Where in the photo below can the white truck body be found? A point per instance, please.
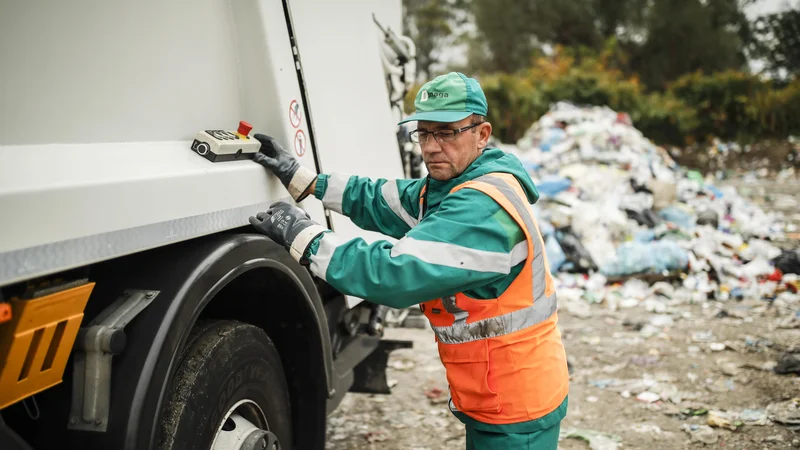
(100, 101)
(137, 304)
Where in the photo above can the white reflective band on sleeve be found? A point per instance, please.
(519, 253)
(334, 192)
(391, 194)
(450, 255)
(459, 333)
(301, 181)
(303, 239)
(322, 259)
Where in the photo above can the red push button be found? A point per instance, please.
(244, 128)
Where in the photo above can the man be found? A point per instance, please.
(469, 252)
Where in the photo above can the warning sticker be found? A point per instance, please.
(300, 143)
(295, 116)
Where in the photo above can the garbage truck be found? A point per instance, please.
(138, 308)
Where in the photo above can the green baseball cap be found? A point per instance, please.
(449, 98)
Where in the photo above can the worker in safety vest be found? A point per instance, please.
(469, 253)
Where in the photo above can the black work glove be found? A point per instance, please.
(289, 226)
(296, 178)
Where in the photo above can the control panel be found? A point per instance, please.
(224, 145)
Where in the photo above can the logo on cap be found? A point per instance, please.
(424, 96)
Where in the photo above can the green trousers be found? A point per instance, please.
(538, 434)
(546, 439)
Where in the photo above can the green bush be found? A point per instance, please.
(724, 103)
(408, 101)
(665, 119)
(779, 112)
(696, 108)
(586, 87)
(514, 105)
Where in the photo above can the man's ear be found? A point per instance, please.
(484, 132)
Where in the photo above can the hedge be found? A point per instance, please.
(729, 105)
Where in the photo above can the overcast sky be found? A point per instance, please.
(770, 6)
(767, 7)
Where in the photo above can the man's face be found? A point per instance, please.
(447, 160)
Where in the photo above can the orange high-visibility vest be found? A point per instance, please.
(504, 357)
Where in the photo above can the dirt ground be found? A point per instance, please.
(609, 357)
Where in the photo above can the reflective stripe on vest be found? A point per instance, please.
(422, 203)
(543, 306)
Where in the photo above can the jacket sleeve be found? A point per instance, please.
(469, 242)
(388, 207)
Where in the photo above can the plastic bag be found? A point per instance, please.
(575, 251)
(646, 257)
(708, 217)
(757, 248)
(552, 186)
(678, 217)
(788, 261)
(644, 217)
(552, 136)
(555, 255)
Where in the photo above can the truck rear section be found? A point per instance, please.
(137, 308)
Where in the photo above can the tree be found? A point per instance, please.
(658, 40)
(684, 36)
(619, 18)
(775, 39)
(429, 23)
(514, 31)
(505, 26)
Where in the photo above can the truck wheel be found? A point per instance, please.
(229, 392)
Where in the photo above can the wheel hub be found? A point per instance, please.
(245, 427)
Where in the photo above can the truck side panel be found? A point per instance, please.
(353, 125)
(98, 108)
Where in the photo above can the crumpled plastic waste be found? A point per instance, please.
(555, 255)
(553, 185)
(700, 433)
(753, 417)
(641, 257)
(578, 258)
(678, 216)
(597, 440)
(721, 419)
(786, 413)
(553, 135)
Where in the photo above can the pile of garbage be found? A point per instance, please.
(615, 206)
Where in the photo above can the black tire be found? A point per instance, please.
(224, 362)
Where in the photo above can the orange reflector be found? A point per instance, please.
(5, 312)
(36, 343)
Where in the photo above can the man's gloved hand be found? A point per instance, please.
(289, 226)
(296, 178)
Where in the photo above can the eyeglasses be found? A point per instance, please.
(422, 137)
